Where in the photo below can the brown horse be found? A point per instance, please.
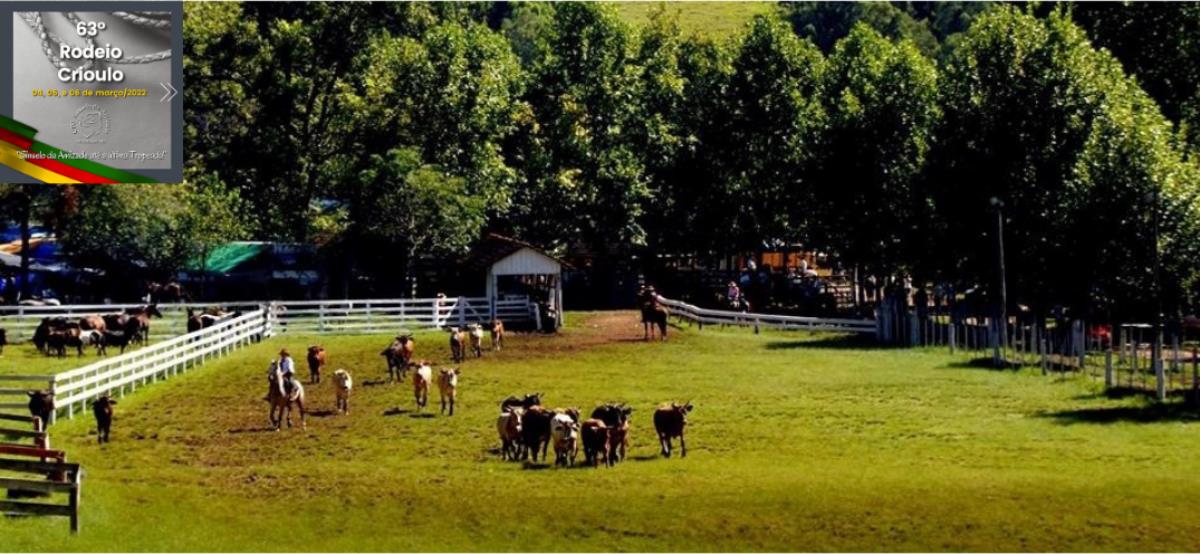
(138, 324)
(166, 293)
(653, 314)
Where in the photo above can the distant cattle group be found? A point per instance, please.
(54, 336)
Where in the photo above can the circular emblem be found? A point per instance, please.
(90, 124)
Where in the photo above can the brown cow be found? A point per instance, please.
(458, 344)
(616, 419)
(595, 437)
(448, 388)
(476, 335)
(669, 422)
(316, 360)
(508, 425)
(102, 408)
(399, 356)
(497, 334)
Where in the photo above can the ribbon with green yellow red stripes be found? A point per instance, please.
(48, 164)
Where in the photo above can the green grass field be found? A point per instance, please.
(798, 442)
(711, 19)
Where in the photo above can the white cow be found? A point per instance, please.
(422, 377)
(564, 433)
(341, 378)
(476, 332)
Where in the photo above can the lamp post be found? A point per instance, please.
(1160, 381)
(1002, 288)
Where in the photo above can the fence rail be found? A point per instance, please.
(19, 322)
(390, 315)
(704, 316)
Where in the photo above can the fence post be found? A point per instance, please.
(462, 311)
(1195, 373)
(1044, 347)
(950, 330)
(914, 330)
(1108, 369)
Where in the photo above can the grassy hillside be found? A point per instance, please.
(712, 19)
(798, 442)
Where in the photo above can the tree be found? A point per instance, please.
(1080, 156)
(881, 98)
(825, 23)
(150, 232)
(776, 129)
(1159, 43)
(410, 209)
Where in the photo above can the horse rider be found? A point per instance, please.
(733, 294)
(284, 367)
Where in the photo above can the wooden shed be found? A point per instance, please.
(515, 268)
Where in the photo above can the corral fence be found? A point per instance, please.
(1122, 355)
(55, 475)
(683, 311)
(74, 389)
(20, 322)
(391, 315)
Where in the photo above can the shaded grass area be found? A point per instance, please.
(716, 20)
(803, 447)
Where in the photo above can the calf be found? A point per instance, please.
(398, 356)
(341, 378)
(529, 401)
(616, 418)
(316, 360)
(3, 340)
(95, 339)
(497, 334)
(41, 404)
(476, 340)
(421, 378)
(564, 431)
(669, 422)
(458, 344)
(535, 431)
(508, 425)
(119, 339)
(56, 343)
(102, 407)
(448, 388)
(73, 338)
(594, 435)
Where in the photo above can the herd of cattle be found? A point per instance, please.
(526, 428)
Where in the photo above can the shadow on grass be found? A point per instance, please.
(983, 363)
(396, 411)
(535, 466)
(423, 415)
(845, 342)
(241, 430)
(1151, 413)
(1123, 392)
(321, 413)
(375, 383)
(645, 457)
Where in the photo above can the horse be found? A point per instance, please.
(166, 293)
(653, 314)
(284, 393)
(138, 325)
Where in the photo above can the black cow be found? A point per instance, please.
(669, 422)
(41, 404)
(102, 407)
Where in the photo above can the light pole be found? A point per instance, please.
(1156, 351)
(1002, 288)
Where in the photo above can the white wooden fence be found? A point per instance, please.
(704, 316)
(19, 322)
(391, 315)
(73, 389)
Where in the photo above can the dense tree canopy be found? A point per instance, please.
(878, 133)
